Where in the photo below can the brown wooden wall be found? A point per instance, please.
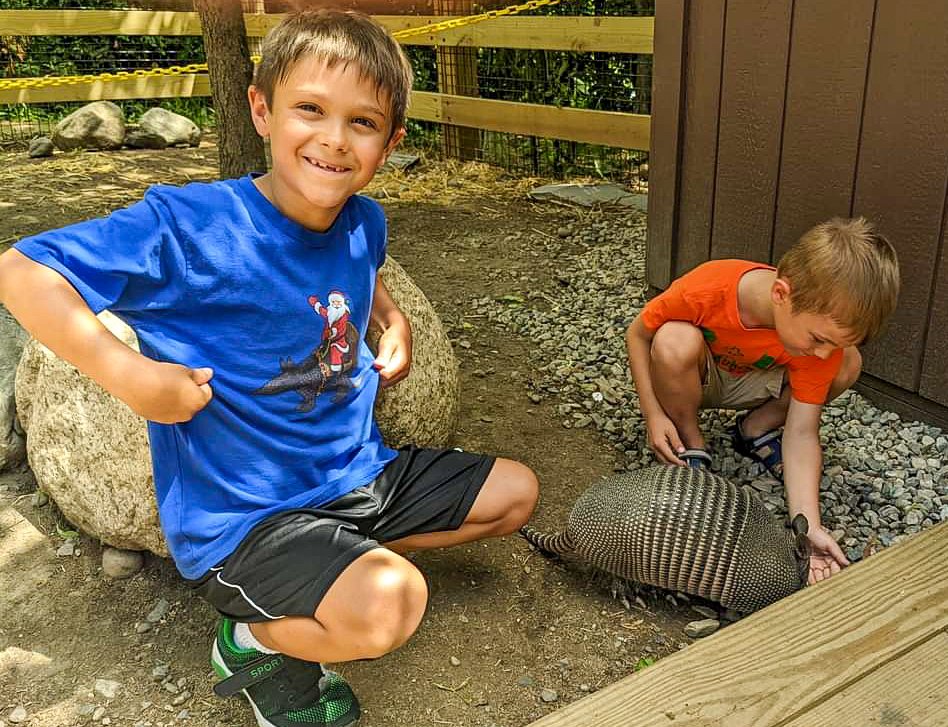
(769, 116)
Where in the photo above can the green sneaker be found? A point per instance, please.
(284, 692)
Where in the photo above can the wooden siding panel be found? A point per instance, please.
(756, 45)
(902, 174)
(934, 381)
(670, 19)
(702, 92)
(829, 56)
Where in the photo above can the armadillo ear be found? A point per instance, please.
(800, 525)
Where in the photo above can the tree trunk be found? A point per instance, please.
(231, 72)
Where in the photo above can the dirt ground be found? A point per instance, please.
(509, 636)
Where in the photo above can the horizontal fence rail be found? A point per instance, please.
(583, 34)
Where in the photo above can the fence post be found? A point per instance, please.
(457, 75)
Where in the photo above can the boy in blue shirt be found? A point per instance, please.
(251, 299)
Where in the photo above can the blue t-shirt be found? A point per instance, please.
(214, 275)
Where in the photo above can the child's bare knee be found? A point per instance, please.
(850, 368)
(524, 490)
(677, 346)
(395, 602)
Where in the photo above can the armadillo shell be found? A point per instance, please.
(686, 530)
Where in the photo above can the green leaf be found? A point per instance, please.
(66, 534)
(642, 663)
(512, 298)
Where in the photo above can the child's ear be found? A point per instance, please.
(259, 111)
(392, 143)
(780, 291)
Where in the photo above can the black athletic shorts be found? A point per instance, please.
(286, 564)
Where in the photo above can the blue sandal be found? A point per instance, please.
(697, 459)
(766, 450)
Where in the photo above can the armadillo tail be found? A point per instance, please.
(553, 543)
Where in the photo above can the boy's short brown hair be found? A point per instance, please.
(334, 37)
(846, 270)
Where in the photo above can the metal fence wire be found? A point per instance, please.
(571, 79)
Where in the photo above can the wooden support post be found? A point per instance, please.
(457, 75)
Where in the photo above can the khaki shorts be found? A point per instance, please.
(723, 391)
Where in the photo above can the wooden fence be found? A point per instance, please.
(580, 34)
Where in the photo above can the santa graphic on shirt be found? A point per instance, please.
(336, 317)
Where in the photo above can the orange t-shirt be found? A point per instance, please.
(707, 298)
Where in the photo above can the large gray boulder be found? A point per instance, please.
(89, 452)
(158, 128)
(12, 339)
(97, 125)
(422, 409)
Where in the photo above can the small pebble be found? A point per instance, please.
(702, 628)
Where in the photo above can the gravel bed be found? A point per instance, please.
(884, 478)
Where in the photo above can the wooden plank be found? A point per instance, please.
(934, 378)
(98, 22)
(581, 34)
(756, 46)
(611, 128)
(907, 691)
(781, 662)
(671, 18)
(191, 84)
(902, 174)
(699, 139)
(829, 57)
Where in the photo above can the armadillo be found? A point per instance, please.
(687, 530)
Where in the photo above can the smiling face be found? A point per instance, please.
(805, 333)
(330, 131)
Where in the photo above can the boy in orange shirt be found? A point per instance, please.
(734, 334)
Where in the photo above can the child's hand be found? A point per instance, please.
(169, 393)
(663, 438)
(826, 557)
(394, 359)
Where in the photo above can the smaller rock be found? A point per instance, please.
(40, 499)
(160, 672)
(41, 146)
(67, 549)
(18, 715)
(106, 688)
(85, 710)
(525, 681)
(549, 695)
(158, 612)
(455, 661)
(98, 714)
(120, 564)
(702, 628)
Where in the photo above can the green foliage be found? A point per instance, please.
(642, 663)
